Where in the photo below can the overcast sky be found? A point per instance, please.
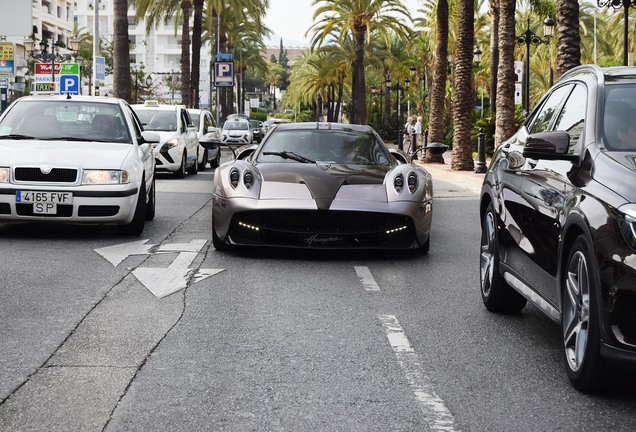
(290, 19)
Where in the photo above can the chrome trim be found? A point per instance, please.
(533, 297)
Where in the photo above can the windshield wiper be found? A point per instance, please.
(290, 155)
(68, 138)
(16, 137)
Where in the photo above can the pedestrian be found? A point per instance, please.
(408, 133)
(418, 132)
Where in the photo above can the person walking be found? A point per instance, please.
(408, 134)
(417, 130)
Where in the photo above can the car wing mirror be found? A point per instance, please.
(549, 146)
(150, 137)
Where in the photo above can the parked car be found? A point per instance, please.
(257, 130)
(325, 186)
(76, 159)
(236, 116)
(178, 151)
(236, 132)
(209, 137)
(558, 216)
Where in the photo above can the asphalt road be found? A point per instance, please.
(274, 340)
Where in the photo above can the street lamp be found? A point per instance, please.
(617, 4)
(44, 55)
(527, 38)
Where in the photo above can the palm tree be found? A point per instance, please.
(438, 85)
(568, 43)
(358, 19)
(505, 121)
(463, 89)
(121, 54)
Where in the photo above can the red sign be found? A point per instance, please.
(45, 68)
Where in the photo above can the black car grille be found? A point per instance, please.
(95, 211)
(625, 317)
(57, 175)
(5, 208)
(327, 229)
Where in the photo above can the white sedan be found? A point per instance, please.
(76, 159)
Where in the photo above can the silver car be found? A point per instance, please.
(325, 186)
(76, 159)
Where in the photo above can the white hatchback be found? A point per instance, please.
(76, 159)
(178, 151)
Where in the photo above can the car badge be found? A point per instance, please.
(46, 169)
(323, 165)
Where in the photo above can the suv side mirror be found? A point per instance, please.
(549, 146)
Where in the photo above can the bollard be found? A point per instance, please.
(414, 145)
(480, 166)
(399, 139)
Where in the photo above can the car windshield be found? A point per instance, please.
(618, 117)
(196, 117)
(335, 146)
(69, 119)
(157, 120)
(236, 125)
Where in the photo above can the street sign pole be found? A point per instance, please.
(4, 85)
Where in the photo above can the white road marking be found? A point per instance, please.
(435, 411)
(204, 274)
(117, 253)
(366, 278)
(193, 246)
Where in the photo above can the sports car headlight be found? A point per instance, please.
(170, 144)
(627, 222)
(398, 183)
(412, 181)
(248, 179)
(234, 177)
(4, 175)
(102, 177)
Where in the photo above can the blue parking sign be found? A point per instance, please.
(223, 74)
(69, 84)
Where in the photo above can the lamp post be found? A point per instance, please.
(617, 4)
(53, 56)
(476, 61)
(528, 37)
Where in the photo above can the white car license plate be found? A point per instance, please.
(44, 202)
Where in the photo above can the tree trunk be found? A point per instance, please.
(438, 86)
(494, 54)
(121, 52)
(462, 158)
(505, 121)
(568, 44)
(186, 89)
(196, 51)
(358, 111)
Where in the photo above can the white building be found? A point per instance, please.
(160, 51)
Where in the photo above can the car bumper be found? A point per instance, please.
(236, 140)
(249, 222)
(115, 205)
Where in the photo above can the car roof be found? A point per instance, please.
(323, 126)
(76, 98)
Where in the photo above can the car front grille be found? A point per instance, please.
(326, 229)
(56, 175)
(5, 208)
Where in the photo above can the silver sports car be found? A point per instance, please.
(322, 185)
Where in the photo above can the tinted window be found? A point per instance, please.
(618, 117)
(572, 116)
(543, 117)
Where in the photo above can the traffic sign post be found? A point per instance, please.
(67, 79)
(223, 74)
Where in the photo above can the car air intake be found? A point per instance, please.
(56, 175)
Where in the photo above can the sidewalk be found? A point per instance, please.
(468, 180)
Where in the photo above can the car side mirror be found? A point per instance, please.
(549, 146)
(150, 137)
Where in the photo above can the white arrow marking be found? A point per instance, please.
(193, 246)
(117, 253)
(204, 274)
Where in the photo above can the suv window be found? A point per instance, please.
(543, 118)
(572, 116)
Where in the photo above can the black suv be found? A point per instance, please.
(558, 217)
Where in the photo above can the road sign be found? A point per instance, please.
(6, 59)
(224, 56)
(69, 84)
(100, 68)
(223, 74)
